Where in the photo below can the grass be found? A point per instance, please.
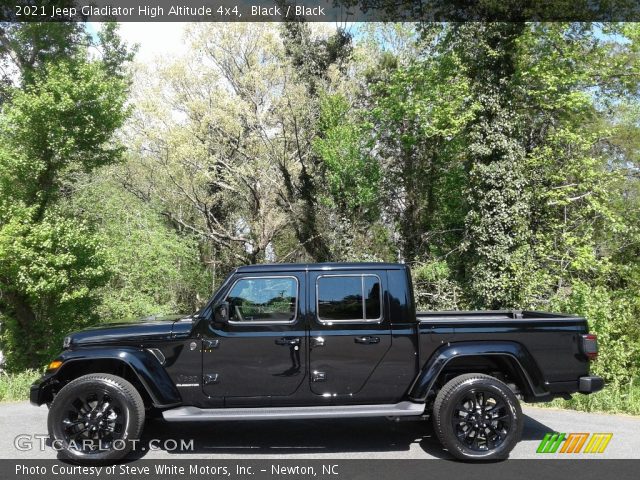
(15, 386)
(612, 399)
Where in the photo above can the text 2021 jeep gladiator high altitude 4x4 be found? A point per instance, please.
(316, 341)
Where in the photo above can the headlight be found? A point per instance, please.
(66, 343)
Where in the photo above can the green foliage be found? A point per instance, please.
(32, 45)
(56, 123)
(312, 56)
(116, 54)
(54, 265)
(614, 317)
(614, 398)
(154, 269)
(361, 242)
(496, 225)
(353, 176)
(15, 386)
(419, 106)
(57, 126)
(56, 259)
(434, 288)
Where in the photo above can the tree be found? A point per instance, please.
(316, 58)
(57, 120)
(204, 153)
(420, 105)
(496, 225)
(352, 174)
(229, 151)
(153, 269)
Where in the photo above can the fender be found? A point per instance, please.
(144, 364)
(514, 351)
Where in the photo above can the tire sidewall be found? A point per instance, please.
(84, 386)
(456, 447)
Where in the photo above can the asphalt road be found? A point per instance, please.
(318, 439)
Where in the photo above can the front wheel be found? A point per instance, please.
(95, 418)
(477, 417)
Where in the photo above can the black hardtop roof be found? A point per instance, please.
(289, 267)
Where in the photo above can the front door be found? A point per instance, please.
(349, 333)
(259, 354)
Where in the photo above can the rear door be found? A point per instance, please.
(349, 331)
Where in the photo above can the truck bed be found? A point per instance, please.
(552, 339)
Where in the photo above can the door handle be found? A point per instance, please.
(317, 342)
(288, 341)
(367, 340)
(210, 344)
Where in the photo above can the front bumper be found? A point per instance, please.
(41, 390)
(590, 384)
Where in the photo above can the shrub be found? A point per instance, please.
(15, 386)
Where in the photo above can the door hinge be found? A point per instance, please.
(211, 378)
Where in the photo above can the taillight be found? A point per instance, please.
(590, 345)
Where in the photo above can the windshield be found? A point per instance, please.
(206, 311)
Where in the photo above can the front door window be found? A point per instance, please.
(264, 300)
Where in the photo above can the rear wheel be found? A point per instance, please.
(95, 417)
(477, 417)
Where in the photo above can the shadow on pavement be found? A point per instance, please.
(305, 436)
(534, 430)
(287, 437)
(292, 437)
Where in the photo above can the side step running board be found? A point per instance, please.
(402, 409)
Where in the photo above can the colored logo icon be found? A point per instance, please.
(574, 443)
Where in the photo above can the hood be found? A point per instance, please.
(129, 332)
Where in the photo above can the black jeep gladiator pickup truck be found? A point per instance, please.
(335, 340)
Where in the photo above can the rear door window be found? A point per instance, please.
(348, 298)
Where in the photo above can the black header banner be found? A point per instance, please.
(319, 10)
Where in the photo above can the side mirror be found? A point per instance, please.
(221, 312)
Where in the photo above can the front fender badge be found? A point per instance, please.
(193, 346)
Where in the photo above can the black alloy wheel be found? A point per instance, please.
(477, 417)
(481, 420)
(94, 422)
(95, 418)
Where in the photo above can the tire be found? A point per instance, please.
(477, 417)
(96, 419)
